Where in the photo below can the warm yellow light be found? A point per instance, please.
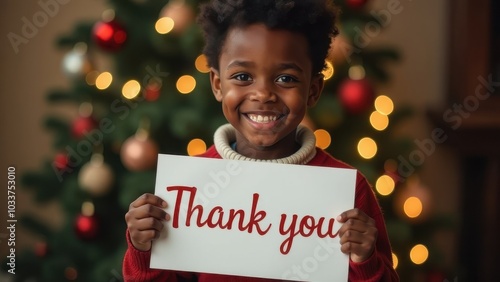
(385, 185)
(201, 64)
(164, 25)
(196, 147)
(395, 261)
(384, 105)
(419, 254)
(186, 84)
(367, 148)
(357, 72)
(329, 71)
(323, 138)
(379, 121)
(88, 209)
(412, 207)
(131, 89)
(103, 80)
(91, 77)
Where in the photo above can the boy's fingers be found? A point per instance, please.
(148, 198)
(149, 210)
(353, 213)
(148, 224)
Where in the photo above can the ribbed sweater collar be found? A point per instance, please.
(225, 135)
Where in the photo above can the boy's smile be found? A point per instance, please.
(265, 84)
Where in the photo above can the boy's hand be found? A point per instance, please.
(358, 234)
(144, 220)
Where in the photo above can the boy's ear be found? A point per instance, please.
(317, 83)
(215, 82)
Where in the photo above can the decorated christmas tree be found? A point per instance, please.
(140, 83)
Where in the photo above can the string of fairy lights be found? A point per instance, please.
(366, 147)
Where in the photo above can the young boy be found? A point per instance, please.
(266, 59)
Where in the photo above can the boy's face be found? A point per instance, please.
(265, 85)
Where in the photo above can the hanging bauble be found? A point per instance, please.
(356, 4)
(70, 273)
(153, 89)
(109, 35)
(86, 227)
(181, 13)
(40, 249)
(61, 161)
(139, 152)
(76, 62)
(84, 123)
(96, 177)
(82, 126)
(356, 96)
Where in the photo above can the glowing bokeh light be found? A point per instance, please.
(385, 185)
(379, 121)
(395, 261)
(103, 81)
(323, 138)
(367, 148)
(329, 71)
(412, 207)
(419, 254)
(131, 89)
(196, 147)
(186, 84)
(164, 25)
(384, 105)
(201, 64)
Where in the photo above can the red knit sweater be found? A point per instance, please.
(377, 268)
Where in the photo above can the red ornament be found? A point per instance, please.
(139, 154)
(356, 95)
(82, 126)
(86, 227)
(41, 249)
(61, 161)
(436, 276)
(356, 4)
(110, 36)
(152, 91)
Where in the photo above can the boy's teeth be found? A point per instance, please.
(262, 119)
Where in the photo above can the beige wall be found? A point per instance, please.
(418, 29)
(25, 77)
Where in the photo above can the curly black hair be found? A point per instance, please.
(315, 19)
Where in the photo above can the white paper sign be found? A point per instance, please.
(252, 218)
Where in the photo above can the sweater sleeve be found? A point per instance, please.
(379, 266)
(136, 268)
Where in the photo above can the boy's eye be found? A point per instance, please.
(286, 79)
(242, 77)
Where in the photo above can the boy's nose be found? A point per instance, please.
(264, 93)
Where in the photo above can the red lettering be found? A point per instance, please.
(306, 228)
(232, 216)
(287, 244)
(307, 224)
(329, 231)
(255, 218)
(215, 217)
(180, 190)
(211, 223)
